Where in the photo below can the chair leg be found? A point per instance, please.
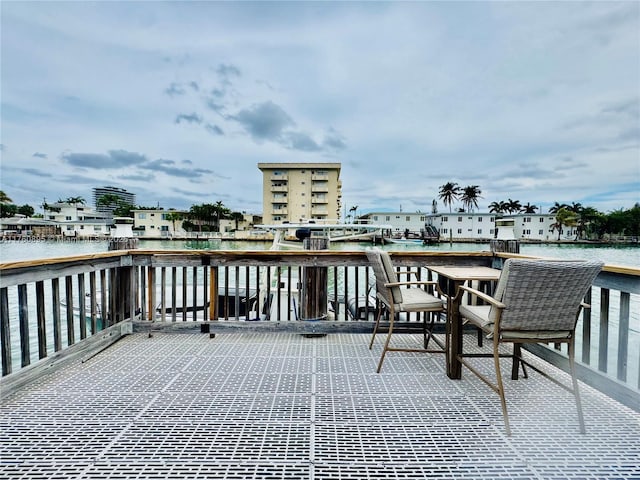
(500, 386)
(375, 327)
(392, 317)
(517, 362)
(574, 380)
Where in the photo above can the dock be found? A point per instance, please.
(254, 405)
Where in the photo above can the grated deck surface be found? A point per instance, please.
(282, 406)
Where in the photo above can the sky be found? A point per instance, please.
(178, 102)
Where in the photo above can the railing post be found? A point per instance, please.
(5, 337)
(314, 284)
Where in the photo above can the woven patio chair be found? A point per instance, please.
(535, 301)
(395, 300)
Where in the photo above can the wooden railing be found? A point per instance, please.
(76, 305)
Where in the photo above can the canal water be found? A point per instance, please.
(625, 255)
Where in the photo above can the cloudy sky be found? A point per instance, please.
(179, 102)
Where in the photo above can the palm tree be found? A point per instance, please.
(354, 209)
(237, 217)
(4, 198)
(498, 207)
(173, 217)
(528, 208)
(557, 206)
(75, 201)
(448, 193)
(513, 206)
(564, 217)
(470, 196)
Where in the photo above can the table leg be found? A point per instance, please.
(454, 367)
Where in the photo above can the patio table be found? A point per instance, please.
(457, 276)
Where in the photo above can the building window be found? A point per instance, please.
(459, 230)
(479, 231)
(67, 218)
(142, 216)
(375, 218)
(479, 219)
(445, 230)
(445, 219)
(540, 232)
(541, 219)
(459, 219)
(388, 218)
(408, 219)
(527, 219)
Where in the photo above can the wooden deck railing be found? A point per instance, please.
(59, 307)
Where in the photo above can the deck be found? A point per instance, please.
(279, 405)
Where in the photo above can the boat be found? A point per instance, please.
(291, 235)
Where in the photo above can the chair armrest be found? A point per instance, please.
(422, 282)
(483, 296)
(398, 284)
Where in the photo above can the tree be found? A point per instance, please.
(498, 207)
(557, 206)
(8, 210)
(26, 210)
(528, 208)
(237, 217)
(354, 209)
(564, 217)
(470, 196)
(4, 198)
(513, 206)
(74, 201)
(449, 193)
(173, 217)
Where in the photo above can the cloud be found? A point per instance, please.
(264, 121)
(39, 155)
(214, 129)
(192, 118)
(334, 141)
(36, 172)
(137, 177)
(299, 141)
(226, 71)
(174, 90)
(194, 85)
(169, 167)
(113, 159)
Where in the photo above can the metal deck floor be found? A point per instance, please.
(282, 406)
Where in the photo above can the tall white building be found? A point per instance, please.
(125, 196)
(299, 192)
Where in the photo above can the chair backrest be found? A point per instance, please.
(543, 295)
(385, 273)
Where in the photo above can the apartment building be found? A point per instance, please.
(299, 192)
(400, 222)
(121, 193)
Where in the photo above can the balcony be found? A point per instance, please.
(145, 386)
(279, 177)
(320, 188)
(279, 188)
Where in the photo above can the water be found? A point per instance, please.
(624, 255)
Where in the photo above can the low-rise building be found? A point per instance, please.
(77, 220)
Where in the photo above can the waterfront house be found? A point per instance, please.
(79, 221)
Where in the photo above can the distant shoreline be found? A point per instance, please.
(205, 238)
